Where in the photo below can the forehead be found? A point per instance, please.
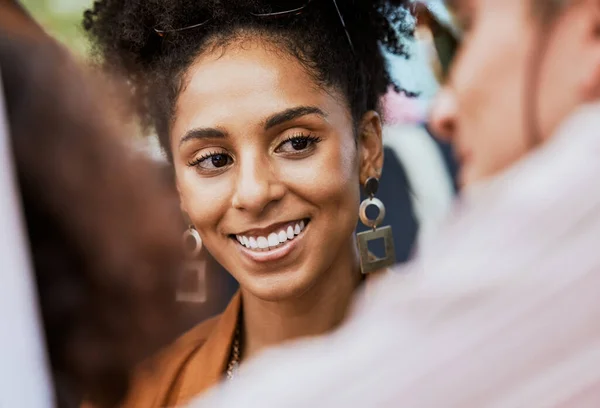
(463, 4)
(244, 84)
(246, 70)
(535, 11)
(535, 5)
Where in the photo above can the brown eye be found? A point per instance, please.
(299, 143)
(219, 160)
(212, 162)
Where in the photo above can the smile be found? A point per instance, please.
(272, 243)
(282, 234)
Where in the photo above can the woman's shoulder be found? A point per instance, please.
(154, 379)
(190, 365)
(184, 344)
(194, 337)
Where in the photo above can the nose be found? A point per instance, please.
(443, 120)
(257, 186)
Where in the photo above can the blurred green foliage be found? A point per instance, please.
(62, 19)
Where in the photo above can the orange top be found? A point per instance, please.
(190, 366)
(194, 363)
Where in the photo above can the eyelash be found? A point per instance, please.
(310, 139)
(196, 162)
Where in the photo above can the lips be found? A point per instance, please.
(268, 240)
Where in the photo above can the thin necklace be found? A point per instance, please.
(234, 360)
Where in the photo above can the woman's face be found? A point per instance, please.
(268, 168)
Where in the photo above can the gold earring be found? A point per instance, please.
(369, 263)
(192, 285)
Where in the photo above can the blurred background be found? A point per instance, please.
(62, 19)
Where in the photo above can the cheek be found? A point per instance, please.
(500, 152)
(330, 179)
(204, 199)
(485, 81)
(491, 64)
(490, 83)
(561, 83)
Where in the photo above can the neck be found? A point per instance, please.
(317, 311)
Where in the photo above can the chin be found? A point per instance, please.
(277, 288)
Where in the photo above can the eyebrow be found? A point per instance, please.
(202, 133)
(291, 114)
(272, 121)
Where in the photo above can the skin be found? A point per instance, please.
(503, 95)
(232, 105)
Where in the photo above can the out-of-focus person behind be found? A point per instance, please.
(416, 162)
(99, 219)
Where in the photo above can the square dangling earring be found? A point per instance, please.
(368, 262)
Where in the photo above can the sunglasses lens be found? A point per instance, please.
(446, 46)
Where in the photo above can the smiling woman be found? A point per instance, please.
(268, 112)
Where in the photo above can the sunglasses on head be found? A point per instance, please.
(445, 46)
(445, 40)
(276, 10)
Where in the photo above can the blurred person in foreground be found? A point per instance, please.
(104, 251)
(502, 309)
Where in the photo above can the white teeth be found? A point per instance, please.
(253, 244)
(262, 242)
(274, 239)
(282, 237)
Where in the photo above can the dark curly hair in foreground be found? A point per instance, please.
(99, 220)
(123, 33)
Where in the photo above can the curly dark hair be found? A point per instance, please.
(102, 224)
(123, 36)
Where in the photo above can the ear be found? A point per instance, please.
(591, 84)
(370, 146)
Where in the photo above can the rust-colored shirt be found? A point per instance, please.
(196, 362)
(193, 364)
